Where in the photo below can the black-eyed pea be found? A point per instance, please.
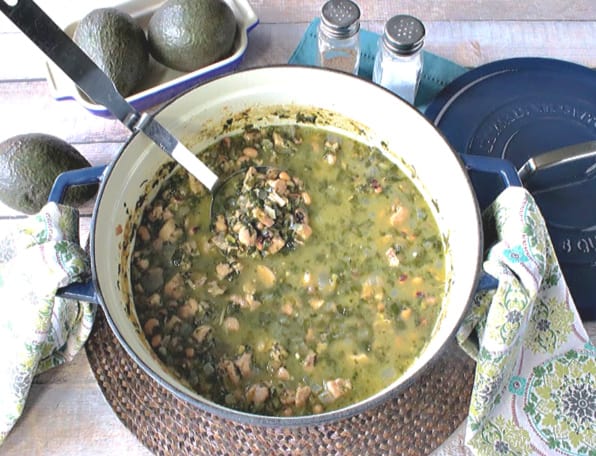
(278, 140)
(154, 300)
(220, 224)
(331, 159)
(250, 152)
(223, 270)
(431, 300)
(304, 231)
(283, 374)
(277, 243)
(417, 280)
(405, 314)
(185, 312)
(287, 309)
(306, 198)
(201, 333)
(231, 324)
(167, 231)
(244, 363)
(302, 395)
(195, 186)
(257, 394)
(143, 233)
(338, 387)
(245, 237)
(156, 341)
(398, 215)
(175, 286)
(150, 325)
(265, 275)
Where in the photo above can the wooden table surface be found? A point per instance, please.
(66, 413)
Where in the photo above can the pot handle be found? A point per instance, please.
(489, 176)
(75, 177)
(487, 282)
(85, 291)
(504, 169)
(507, 175)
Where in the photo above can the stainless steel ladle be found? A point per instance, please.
(63, 51)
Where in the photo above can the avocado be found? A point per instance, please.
(117, 44)
(30, 163)
(190, 34)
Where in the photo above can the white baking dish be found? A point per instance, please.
(162, 83)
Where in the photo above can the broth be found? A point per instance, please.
(316, 326)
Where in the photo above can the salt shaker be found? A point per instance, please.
(398, 63)
(338, 36)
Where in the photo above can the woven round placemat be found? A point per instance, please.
(414, 423)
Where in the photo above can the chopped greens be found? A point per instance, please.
(263, 213)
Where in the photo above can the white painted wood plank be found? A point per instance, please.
(475, 43)
(436, 10)
(66, 414)
(27, 107)
(470, 43)
(63, 12)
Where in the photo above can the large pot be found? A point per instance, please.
(275, 95)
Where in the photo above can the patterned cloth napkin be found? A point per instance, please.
(37, 329)
(535, 383)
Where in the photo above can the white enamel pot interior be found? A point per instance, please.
(275, 95)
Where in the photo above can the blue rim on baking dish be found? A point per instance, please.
(515, 109)
(163, 83)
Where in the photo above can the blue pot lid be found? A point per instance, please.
(516, 109)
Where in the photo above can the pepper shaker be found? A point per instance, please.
(398, 63)
(338, 36)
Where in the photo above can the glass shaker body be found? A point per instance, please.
(398, 63)
(338, 36)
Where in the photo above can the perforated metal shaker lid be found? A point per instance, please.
(340, 18)
(403, 34)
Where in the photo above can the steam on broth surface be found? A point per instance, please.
(327, 319)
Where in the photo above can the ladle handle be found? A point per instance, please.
(71, 59)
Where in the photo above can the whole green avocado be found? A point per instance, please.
(117, 44)
(190, 34)
(30, 163)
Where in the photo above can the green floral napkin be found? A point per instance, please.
(535, 383)
(38, 330)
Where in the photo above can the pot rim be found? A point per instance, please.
(237, 416)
